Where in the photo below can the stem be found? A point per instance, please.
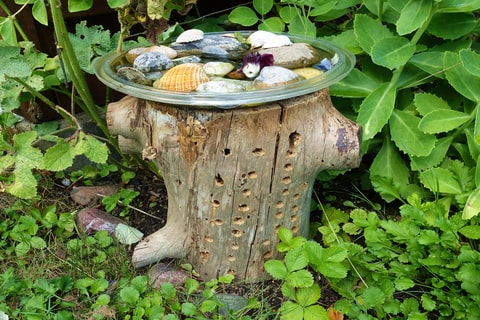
(380, 10)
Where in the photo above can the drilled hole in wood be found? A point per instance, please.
(204, 255)
(215, 203)
(236, 233)
(247, 192)
(252, 175)
(208, 238)
(235, 246)
(226, 152)
(295, 229)
(294, 140)
(266, 242)
(276, 228)
(285, 192)
(291, 154)
(280, 204)
(288, 167)
(294, 218)
(232, 272)
(267, 255)
(257, 152)
(238, 221)
(296, 196)
(279, 215)
(218, 222)
(219, 181)
(286, 180)
(305, 186)
(243, 208)
(231, 258)
(295, 208)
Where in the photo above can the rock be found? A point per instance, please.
(152, 61)
(92, 220)
(297, 55)
(213, 46)
(85, 195)
(274, 75)
(162, 273)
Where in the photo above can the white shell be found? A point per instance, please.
(258, 38)
(218, 68)
(190, 35)
(277, 41)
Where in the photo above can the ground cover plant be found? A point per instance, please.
(415, 91)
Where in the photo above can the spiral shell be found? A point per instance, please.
(218, 68)
(190, 36)
(184, 77)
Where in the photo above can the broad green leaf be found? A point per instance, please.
(471, 61)
(442, 121)
(39, 12)
(7, 31)
(346, 40)
(463, 81)
(473, 145)
(92, 148)
(263, 6)
(117, 3)
(129, 295)
(437, 155)
(452, 25)
(335, 254)
(471, 232)
(390, 164)
(243, 16)
(303, 26)
(407, 136)
(372, 297)
(356, 85)
(315, 312)
(376, 109)
(287, 13)
(413, 16)
(476, 128)
(127, 234)
(472, 206)
(332, 270)
(392, 52)
(427, 102)
(403, 283)
(412, 77)
(369, 31)
(296, 259)
(59, 157)
(440, 180)
(308, 296)
(300, 279)
(291, 311)
(458, 6)
(285, 234)
(22, 249)
(79, 5)
(273, 24)
(430, 62)
(276, 269)
(37, 242)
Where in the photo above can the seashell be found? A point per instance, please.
(132, 54)
(190, 36)
(184, 77)
(277, 41)
(169, 52)
(308, 73)
(258, 38)
(187, 59)
(218, 68)
(274, 75)
(223, 86)
(133, 75)
(152, 61)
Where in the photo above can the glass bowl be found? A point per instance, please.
(105, 71)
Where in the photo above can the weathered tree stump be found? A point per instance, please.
(234, 176)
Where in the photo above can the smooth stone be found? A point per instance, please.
(152, 61)
(221, 85)
(275, 75)
(213, 46)
(297, 55)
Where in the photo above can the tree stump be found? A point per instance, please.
(234, 177)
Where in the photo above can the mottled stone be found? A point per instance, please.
(152, 61)
(213, 46)
(275, 75)
(297, 55)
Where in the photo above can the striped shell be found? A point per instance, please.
(190, 36)
(184, 77)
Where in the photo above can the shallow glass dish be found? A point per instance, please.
(105, 71)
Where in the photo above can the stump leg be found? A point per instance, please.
(235, 176)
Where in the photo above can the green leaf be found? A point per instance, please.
(189, 309)
(332, 270)
(451, 26)
(427, 102)
(99, 285)
(458, 6)
(470, 61)
(39, 12)
(24, 185)
(285, 234)
(59, 157)
(356, 85)
(303, 26)
(403, 283)
(291, 311)
(442, 121)
(335, 254)
(463, 81)
(243, 16)
(37, 242)
(440, 180)
(369, 31)
(300, 279)
(392, 52)
(129, 295)
(427, 302)
(430, 62)
(273, 24)
(389, 163)
(22, 249)
(376, 109)
(79, 5)
(315, 312)
(407, 136)
(413, 15)
(471, 232)
(127, 234)
(435, 157)
(296, 259)
(373, 297)
(263, 6)
(117, 3)
(308, 296)
(472, 206)
(276, 269)
(7, 31)
(92, 148)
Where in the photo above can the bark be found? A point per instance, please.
(234, 177)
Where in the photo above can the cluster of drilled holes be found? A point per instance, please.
(257, 152)
(232, 272)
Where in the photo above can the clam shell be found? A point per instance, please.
(274, 75)
(184, 77)
(277, 41)
(258, 38)
(190, 36)
(218, 68)
(152, 61)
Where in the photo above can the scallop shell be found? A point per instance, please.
(258, 38)
(274, 75)
(277, 41)
(184, 77)
(218, 68)
(190, 36)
